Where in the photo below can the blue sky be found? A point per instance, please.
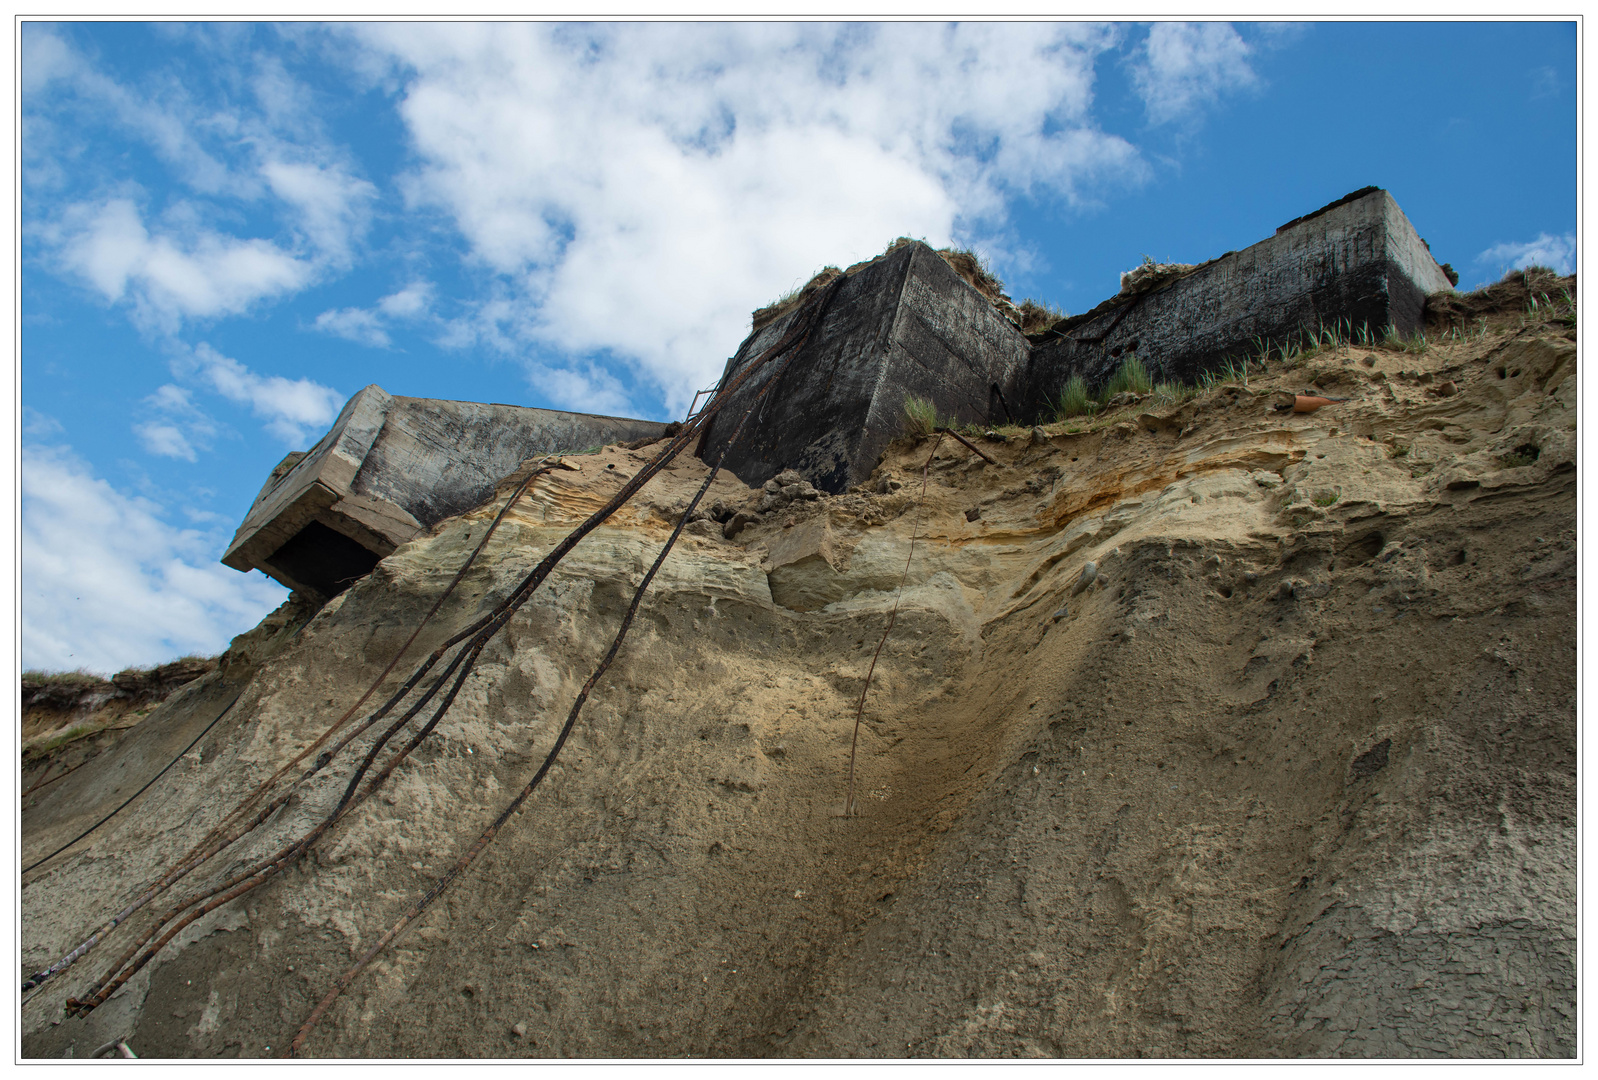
(227, 229)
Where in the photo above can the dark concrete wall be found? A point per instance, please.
(1358, 260)
(390, 467)
(950, 346)
(813, 418)
(905, 324)
(461, 448)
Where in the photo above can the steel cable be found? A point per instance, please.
(488, 834)
(219, 838)
(482, 630)
(860, 708)
(135, 795)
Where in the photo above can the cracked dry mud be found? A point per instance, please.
(1295, 774)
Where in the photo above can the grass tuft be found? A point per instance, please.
(1230, 371)
(973, 267)
(61, 678)
(921, 416)
(1074, 399)
(1037, 317)
(791, 299)
(1336, 336)
(1173, 393)
(1414, 343)
(1130, 376)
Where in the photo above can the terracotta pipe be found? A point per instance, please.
(1308, 403)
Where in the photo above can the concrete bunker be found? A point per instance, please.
(905, 323)
(1355, 263)
(390, 467)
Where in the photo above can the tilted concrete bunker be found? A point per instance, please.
(391, 467)
(906, 324)
(1357, 262)
(903, 324)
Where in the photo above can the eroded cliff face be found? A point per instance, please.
(1293, 775)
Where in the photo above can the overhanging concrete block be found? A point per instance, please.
(1357, 260)
(904, 324)
(391, 467)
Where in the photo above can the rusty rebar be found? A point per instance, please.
(219, 836)
(860, 706)
(481, 631)
(486, 837)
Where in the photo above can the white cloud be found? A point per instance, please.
(108, 584)
(354, 324)
(589, 389)
(178, 428)
(639, 189)
(292, 408)
(368, 326)
(169, 277)
(39, 425)
(165, 439)
(172, 399)
(206, 517)
(409, 303)
(332, 205)
(45, 58)
(1556, 252)
(48, 60)
(1183, 66)
(225, 147)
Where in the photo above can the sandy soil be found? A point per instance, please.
(1294, 774)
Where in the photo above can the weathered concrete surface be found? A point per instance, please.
(391, 467)
(903, 324)
(1358, 260)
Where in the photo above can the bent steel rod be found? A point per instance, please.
(219, 837)
(115, 977)
(488, 834)
(860, 708)
(264, 870)
(485, 628)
